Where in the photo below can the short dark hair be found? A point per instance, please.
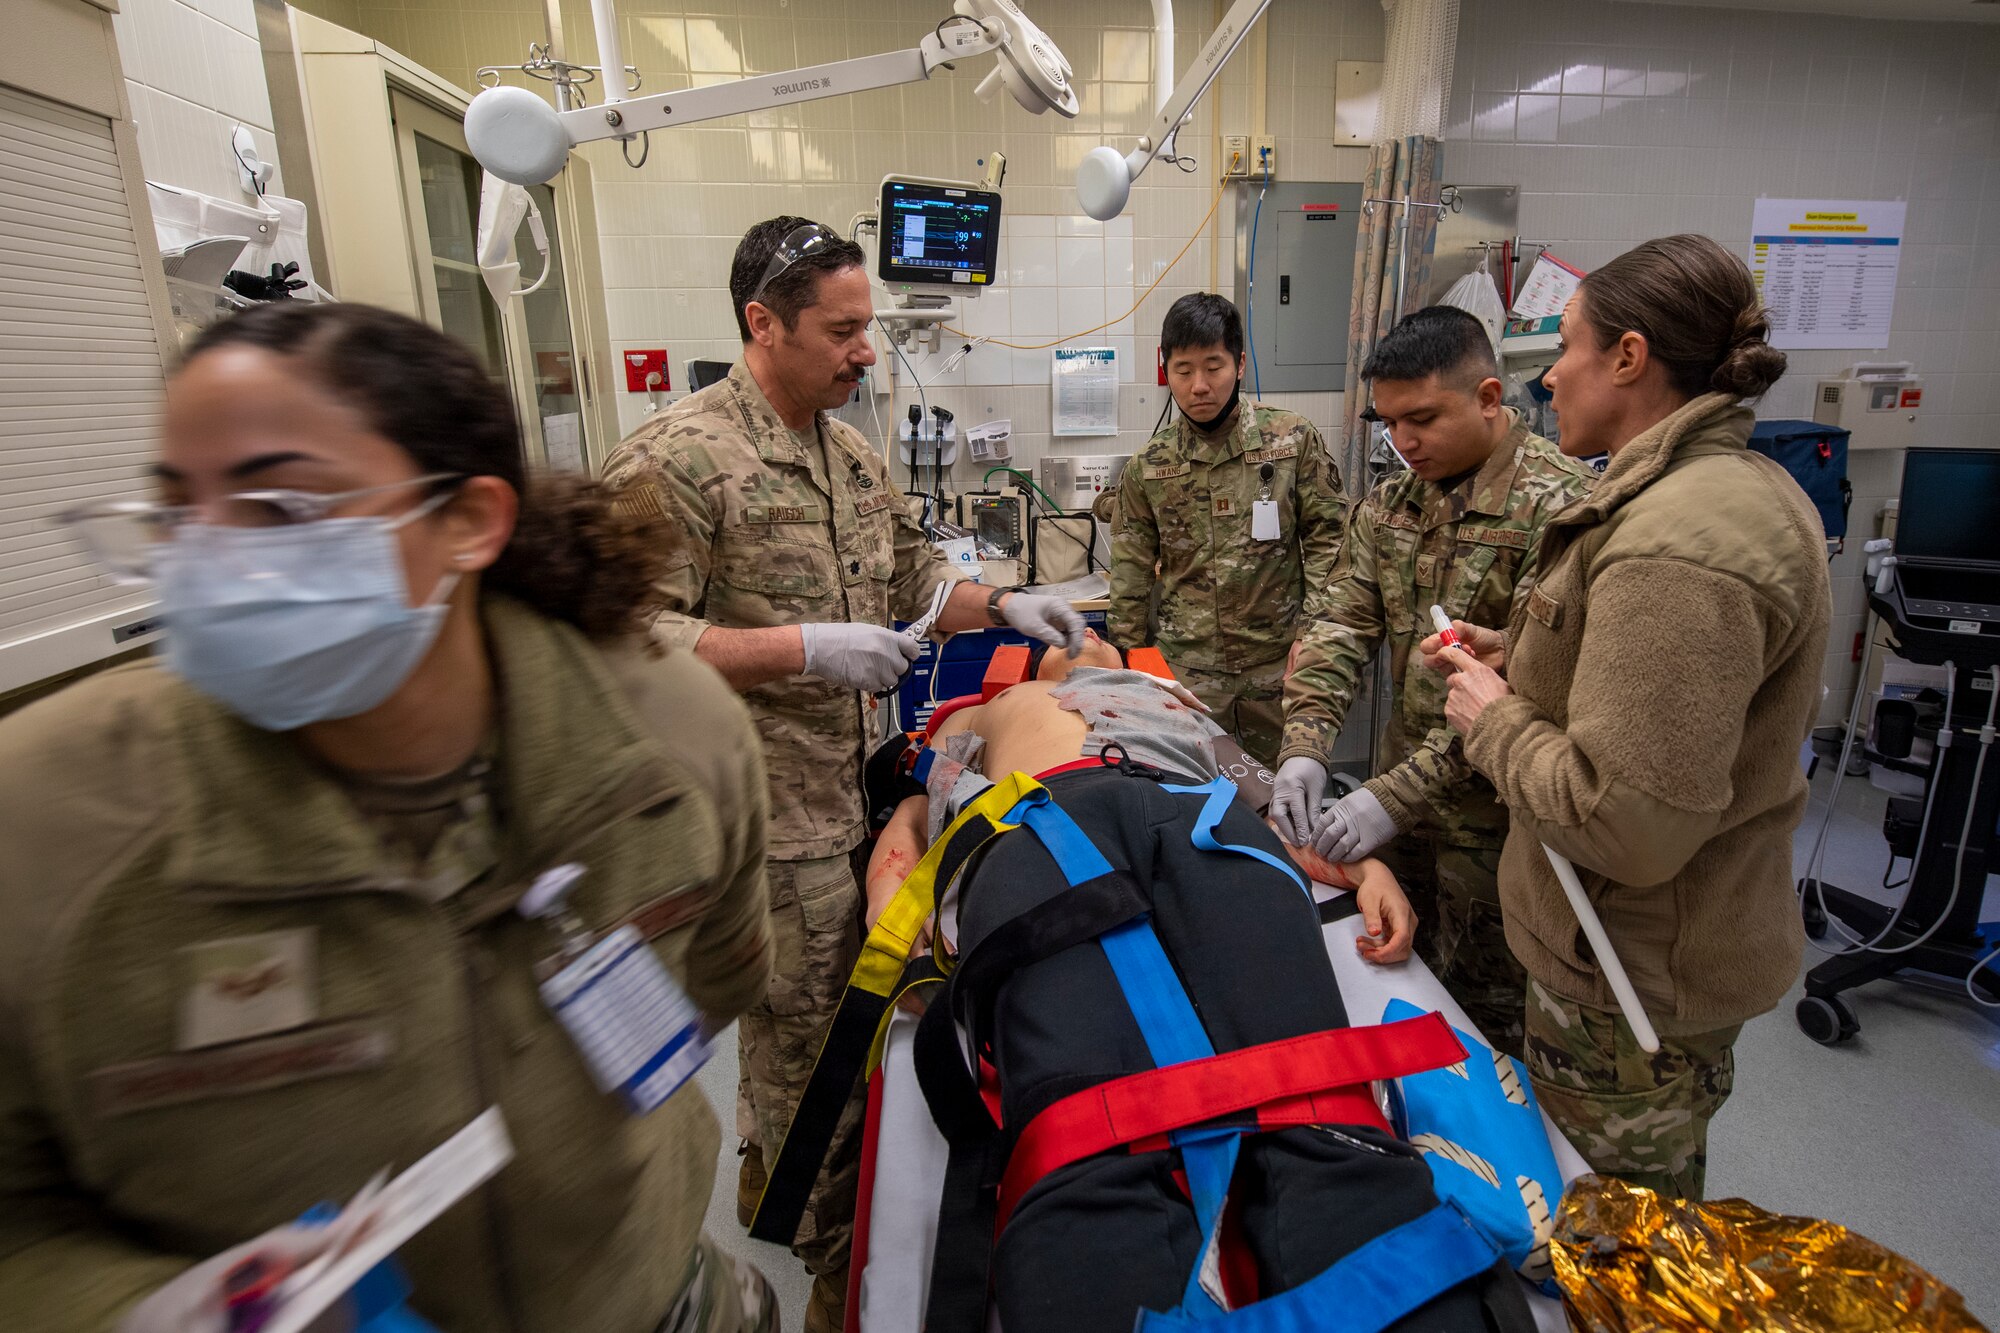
(1201, 319)
(794, 288)
(1439, 340)
(574, 554)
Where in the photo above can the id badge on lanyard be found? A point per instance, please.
(638, 1032)
(1264, 510)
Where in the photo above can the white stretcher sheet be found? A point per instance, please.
(909, 1168)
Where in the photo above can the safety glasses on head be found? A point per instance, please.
(798, 243)
(126, 537)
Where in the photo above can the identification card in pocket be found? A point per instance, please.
(635, 1027)
(1263, 520)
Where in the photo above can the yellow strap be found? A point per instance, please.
(887, 948)
(881, 1040)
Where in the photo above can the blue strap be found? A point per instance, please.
(1366, 1290)
(1220, 793)
(1166, 1019)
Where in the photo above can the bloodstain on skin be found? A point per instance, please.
(1109, 713)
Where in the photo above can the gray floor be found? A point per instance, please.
(1896, 1133)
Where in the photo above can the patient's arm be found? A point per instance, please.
(1317, 866)
(901, 844)
(1390, 921)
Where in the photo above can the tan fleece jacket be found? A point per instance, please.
(1664, 674)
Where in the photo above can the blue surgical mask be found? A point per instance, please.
(293, 625)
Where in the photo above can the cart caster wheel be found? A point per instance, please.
(1814, 918)
(1825, 1019)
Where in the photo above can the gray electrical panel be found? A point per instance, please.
(1297, 313)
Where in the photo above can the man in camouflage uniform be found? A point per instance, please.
(798, 550)
(1235, 511)
(1459, 530)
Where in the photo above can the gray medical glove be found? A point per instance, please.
(1050, 619)
(861, 657)
(1295, 798)
(1355, 826)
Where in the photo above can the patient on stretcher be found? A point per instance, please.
(1070, 712)
(1121, 925)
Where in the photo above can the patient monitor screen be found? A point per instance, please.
(938, 233)
(1950, 507)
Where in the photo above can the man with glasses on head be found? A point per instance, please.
(799, 551)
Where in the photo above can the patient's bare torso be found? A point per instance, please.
(1039, 725)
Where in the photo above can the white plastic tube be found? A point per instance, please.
(1600, 947)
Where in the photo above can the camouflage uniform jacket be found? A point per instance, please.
(1410, 545)
(781, 530)
(1227, 603)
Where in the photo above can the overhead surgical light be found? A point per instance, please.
(1104, 177)
(521, 138)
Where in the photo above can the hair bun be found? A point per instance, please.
(1751, 364)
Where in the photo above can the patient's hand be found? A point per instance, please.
(1389, 920)
(1386, 913)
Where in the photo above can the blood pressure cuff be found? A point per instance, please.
(1480, 1131)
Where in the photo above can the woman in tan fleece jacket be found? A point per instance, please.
(1658, 683)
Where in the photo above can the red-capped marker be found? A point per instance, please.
(1447, 636)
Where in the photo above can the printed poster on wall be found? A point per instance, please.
(1827, 270)
(1086, 390)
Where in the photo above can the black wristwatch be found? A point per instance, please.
(993, 605)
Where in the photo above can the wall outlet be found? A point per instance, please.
(1235, 156)
(646, 370)
(1263, 158)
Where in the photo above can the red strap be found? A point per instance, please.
(1073, 766)
(864, 1202)
(946, 709)
(1315, 1079)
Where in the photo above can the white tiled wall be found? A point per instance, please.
(669, 229)
(1623, 121)
(1618, 121)
(194, 71)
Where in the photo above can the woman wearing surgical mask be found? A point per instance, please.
(1659, 681)
(265, 920)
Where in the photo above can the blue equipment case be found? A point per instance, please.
(1816, 456)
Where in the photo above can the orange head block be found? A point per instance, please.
(1007, 667)
(1151, 661)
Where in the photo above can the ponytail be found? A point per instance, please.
(578, 557)
(1698, 309)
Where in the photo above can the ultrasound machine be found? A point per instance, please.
(1940, 602)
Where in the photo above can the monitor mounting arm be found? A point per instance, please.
(521, 138)
(1104, 177)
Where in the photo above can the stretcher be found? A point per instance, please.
(904, 1155)
(902, 1186)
